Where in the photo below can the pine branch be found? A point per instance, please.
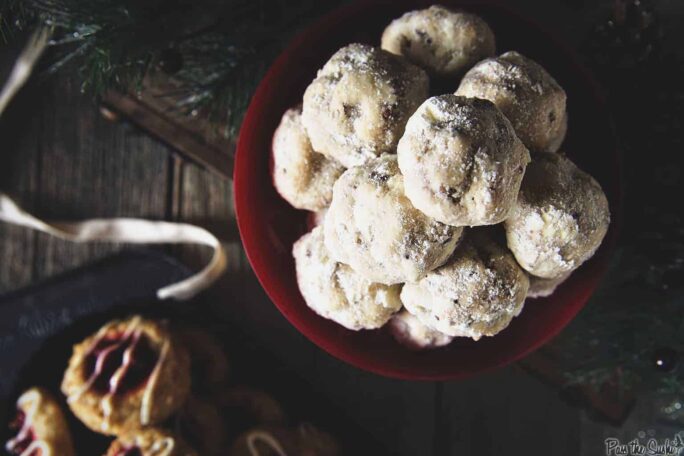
(114, 44)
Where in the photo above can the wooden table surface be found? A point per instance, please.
(61, 159)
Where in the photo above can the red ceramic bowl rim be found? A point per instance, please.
(258, 106)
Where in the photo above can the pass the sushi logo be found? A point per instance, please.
(651, 447)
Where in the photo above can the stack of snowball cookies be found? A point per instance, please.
(406, 188)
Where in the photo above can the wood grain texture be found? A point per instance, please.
(68, 162)
(61, 159)
(508, 401)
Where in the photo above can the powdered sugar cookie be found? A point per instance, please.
(357, 106)
(409, 331)
(334, 291)
(541, 288)
(526, 93)
(476, 293)
(461, 160)
(303, 177)
(375, 229)
(560, 218)
(441, 41)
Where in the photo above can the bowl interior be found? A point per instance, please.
(269, 226)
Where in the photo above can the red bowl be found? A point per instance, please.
(269, 226)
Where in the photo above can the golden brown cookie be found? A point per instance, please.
(131, 373)
(304, 440)
(200, 424)
(208, 363)
(243, 407)
(149, 442)
(40, 427)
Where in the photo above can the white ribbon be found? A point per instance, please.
(135, 231)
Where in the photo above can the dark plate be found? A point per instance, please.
(40, 324)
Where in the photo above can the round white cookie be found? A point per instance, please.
(531, 99)
(410, 332)
(358, 105)
(373, 227)
(303, 177)
(476, 293)
(461, 160)
(560, 218)
(334, 291)
(541, 288)
(441, 41)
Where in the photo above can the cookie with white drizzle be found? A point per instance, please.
(244, 407)
(526, 93)
(149, 441)
(441, 41)
(200, 424)
(357, 106)
(209, 367)
(131, 373)
(372, 226)
(305, 439)
(410, 332)
(40, 427)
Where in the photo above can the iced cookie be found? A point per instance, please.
(357, 106)
(441, 41)
(200, 424)
(528, 95)
(560, 218)
(410, 332)
(477, 293)
(373, 227)
(208, 362)
(541, 288)
(304, 440)
(304, 178)
(461, 160)
(131, 373)
(243, 407)
(335, 291)
(40, 427)
(149, 442)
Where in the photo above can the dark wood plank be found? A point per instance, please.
(90, 167)
(507, 412)
(19, 158)
(207, 200)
